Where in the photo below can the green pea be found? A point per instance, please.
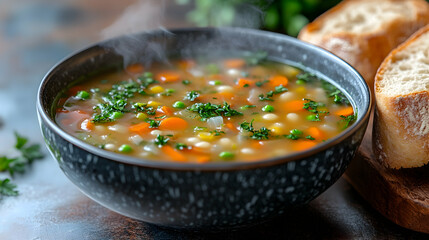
(141, 116)
(116, 115)
(226, 155)
(125, 148)
(147, 74)
(313, 118)
(179, 104)
(215, 82)
(268, 108)
(300, 82)
(296, 132)
(83, 95)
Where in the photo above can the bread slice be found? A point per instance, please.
(401, 123)
(363, 32)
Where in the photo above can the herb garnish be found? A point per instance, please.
(143, 107)
(335, 93)
(277, 90)
(208, 110)
(307, 77)
(152, 123)
(313, 106)
(260, 83)
(17, 164)
(181, 146)
(192, 95)
(217, 132)
(186, 82)
(347, 120)
(262, 134)
(161, 140)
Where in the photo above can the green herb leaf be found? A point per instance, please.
(262, 134)
(208, 110)
(7, 188)
(348, 120)
(192, 95)
(161, 140)
(181, 146)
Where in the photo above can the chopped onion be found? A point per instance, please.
(151, 148)
(254, 96)
(215, 122)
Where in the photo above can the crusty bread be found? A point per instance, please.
(363, 32)
(401, 123)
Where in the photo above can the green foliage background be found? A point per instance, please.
(287, 16)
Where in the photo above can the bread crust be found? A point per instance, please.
(401, 122)
(365, 50)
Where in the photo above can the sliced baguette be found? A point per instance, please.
(363, 32)
(401, 123)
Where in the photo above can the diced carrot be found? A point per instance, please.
(294, 106)
(278, 80)
(203, 158)
(87, 125)
(346, 111)
(186, 63)
(234, 63)
(173, 154)
(315, 132)
(140, 128)
(244, 82)
(134, 68)
(301, 145)
(74, 90)
(231, 126)
(226, 95)
(173, 123)
(166, 110)
(168, 77)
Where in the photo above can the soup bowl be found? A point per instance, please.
(211, 195)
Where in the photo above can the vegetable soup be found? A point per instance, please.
(199, 111)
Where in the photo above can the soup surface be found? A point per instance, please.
(228, 109)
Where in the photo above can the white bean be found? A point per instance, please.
(247, 151)
(292, 117)
(270, 117)
(156, 132)
(118, 128)
(225, 88)
(110, 146)
(226, 142)
(287, 96)
(202, 145)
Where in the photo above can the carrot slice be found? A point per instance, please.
(173, 154)
(244, 82)
(140, 128)
(166, 110)
(257, 144)
(315, 132)
(278, 80)
(231, 126)
(134, 68)
(301, 145)
(347, 111)
(294, 106)
(87, 125)
(173, 123)
(168, 77)
(234, 63)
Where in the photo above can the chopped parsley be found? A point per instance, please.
(260, 83)
(143, 107)
(186, 82)
(217, 132)
(307, 77)
(208, 110)
(161, 140)
(247, 107)
(262, 134)
(335, 93)
(181, 146)
(192, 95)
(313, 107)
(152, 123)
(347, 120)
(295, 134)
(278, 89)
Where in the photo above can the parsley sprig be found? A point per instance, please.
(208, 110)
(313, 107)
(29, 153)
(262, 134)
(269, 96)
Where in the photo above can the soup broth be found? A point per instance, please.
(198, 111)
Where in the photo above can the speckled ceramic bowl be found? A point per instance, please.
(210, 195)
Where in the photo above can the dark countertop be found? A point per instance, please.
(34, 35)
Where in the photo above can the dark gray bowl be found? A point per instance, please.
(211, 195)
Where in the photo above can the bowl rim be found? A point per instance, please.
(227, 166)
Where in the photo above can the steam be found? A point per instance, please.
(146, 15)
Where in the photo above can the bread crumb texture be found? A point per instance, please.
(354, 17)
(408, 70)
